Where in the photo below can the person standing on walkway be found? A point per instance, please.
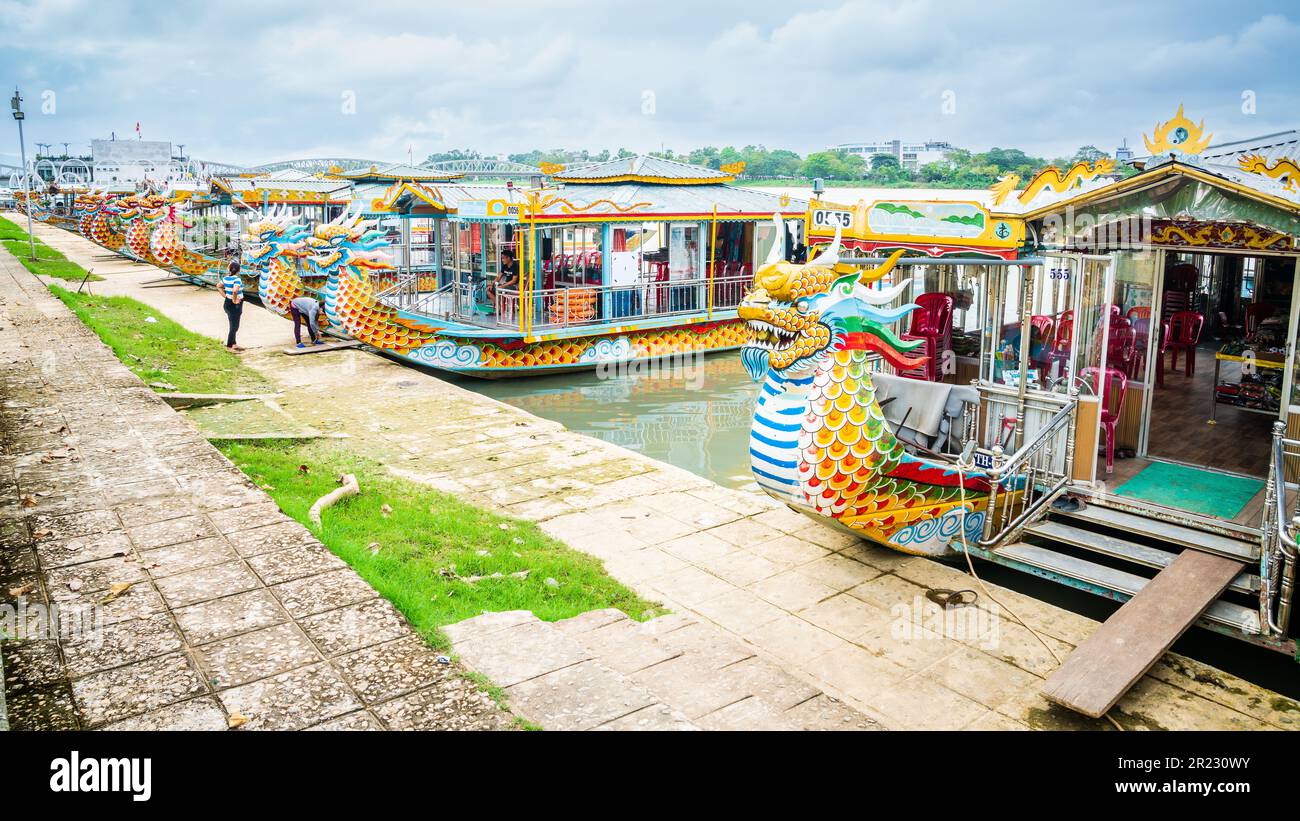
(304, 310)
(232, 287)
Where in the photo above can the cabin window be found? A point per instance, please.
(570, 255)
(683, 251)
(447, 251)
(423, 243)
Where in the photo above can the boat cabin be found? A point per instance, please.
(632, 239)
(1132, 340)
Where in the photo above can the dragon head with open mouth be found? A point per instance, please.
(799, 314)
(273, 235)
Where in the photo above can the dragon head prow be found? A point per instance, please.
(274, 234)
(799, 314)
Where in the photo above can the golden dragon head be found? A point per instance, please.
(797, 314)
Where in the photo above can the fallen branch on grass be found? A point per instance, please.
(349, 487)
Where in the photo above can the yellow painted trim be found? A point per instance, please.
(1174, 168)
(639, 178)
(575, 218)
(713, 257)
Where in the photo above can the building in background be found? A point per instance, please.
(1123, 154)
(134, 161)
(911, 155)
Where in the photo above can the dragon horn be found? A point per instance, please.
(778, 245)
(873, 274)
(832, 254)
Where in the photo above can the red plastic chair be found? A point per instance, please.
(1060, 351)
(1121, 347)
(659, 273)
(1184, 333)
(932, 320)
(1041, 327)
(927, 371)
(1256, 313)
(1109, 417)
(1162, 346)
(1138, 312)
(726, 287)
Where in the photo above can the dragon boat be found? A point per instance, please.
(820, 441)
(1025, 375)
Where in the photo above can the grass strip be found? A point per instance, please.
(48, 262)
(438, 559)
(164, 354)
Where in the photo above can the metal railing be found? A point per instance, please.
(440, 303)
(577, 305)
(1278, 535)
(1025, 483)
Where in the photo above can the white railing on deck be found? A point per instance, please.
(583, 305)
(1278, 536)
(1026, 482)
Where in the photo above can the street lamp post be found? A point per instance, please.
(17, 104)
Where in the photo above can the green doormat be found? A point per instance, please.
(1188, 488)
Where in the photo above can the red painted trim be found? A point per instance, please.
(634, 216)
(932, 475)
(947, 250)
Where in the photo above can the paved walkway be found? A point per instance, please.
(603, 671)
(186, 599)
(846, 618)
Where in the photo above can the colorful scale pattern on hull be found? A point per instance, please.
(125, 226)
(632, 345)
(819, 441)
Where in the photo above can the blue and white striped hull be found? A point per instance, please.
(774, 437)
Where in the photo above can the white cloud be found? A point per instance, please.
(251, 81)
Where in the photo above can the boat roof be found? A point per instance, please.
(380, 198)
(306, 190)
(1244, 168)
(1272, 147)
(643, 168)
(622, 202)
(1253, 186)
(650, 201)
(394, 172)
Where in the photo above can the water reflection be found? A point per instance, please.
(694, 414)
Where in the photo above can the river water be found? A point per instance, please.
(693, 413)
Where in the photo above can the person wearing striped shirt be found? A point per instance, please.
(232, 287)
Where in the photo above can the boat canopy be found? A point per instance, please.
(641, 168)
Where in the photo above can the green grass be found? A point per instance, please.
(10, 230)
(163, 351)
(431, 545)
(48, 262)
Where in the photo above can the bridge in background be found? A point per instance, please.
(486, 167)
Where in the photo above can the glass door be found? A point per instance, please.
(1082, 316)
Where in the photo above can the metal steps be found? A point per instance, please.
(1096, 515)
(1118, 584)
(1117, 548)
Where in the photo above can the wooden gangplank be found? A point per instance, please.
(1110, 661)
(328, 346)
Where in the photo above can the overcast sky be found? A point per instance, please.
(251, 82)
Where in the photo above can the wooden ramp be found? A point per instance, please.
(1102, 669)
(328, 346)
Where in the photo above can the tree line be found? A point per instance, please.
(959, 169)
